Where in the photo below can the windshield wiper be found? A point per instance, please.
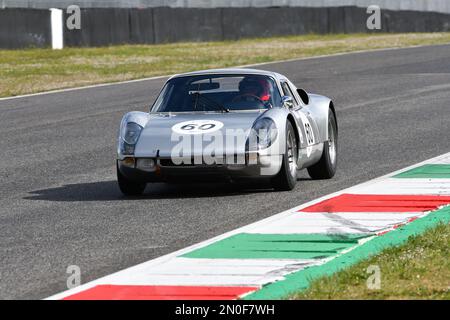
(209, 103)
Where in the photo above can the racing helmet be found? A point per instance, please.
(257, 86)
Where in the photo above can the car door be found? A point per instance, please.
(309, 131)
(297, 112)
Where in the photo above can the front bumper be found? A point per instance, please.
(165, 170)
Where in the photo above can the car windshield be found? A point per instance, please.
(217, 93)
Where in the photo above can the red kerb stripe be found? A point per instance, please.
(137, 292)
(379, 203)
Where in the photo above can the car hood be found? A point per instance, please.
(163, 132)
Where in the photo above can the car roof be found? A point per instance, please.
(231, 71)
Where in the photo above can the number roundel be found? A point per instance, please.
(197, 126)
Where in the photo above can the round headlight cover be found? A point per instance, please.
(265, 131)
(132, 133)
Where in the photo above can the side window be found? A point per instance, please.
(294, 92)
(288, 92)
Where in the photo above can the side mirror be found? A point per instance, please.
(288, 102)
(303, 95)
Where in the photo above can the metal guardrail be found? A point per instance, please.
(31, 27)
(442, 6)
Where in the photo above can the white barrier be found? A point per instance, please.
(56, 21)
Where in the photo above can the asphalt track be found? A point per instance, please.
(60, 205)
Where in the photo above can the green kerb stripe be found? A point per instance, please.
(427, 171)
(276, 246)
(300, 280)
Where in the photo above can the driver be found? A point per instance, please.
(251, 87)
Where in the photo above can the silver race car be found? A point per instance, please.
(228, 125)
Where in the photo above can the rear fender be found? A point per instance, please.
(318, 108)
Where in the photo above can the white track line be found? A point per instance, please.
(241, 66)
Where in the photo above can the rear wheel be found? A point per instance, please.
(129, 187)
(286, 179)
(326, 167)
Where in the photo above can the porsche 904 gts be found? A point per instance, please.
(228, 124)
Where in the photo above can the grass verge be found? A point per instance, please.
(36, 70)
(418, 269)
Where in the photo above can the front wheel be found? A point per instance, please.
(129, 187)
(286, 179)
(326, 167)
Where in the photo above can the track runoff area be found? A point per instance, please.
(280, 255)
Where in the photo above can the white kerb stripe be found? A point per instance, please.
(411, 186)
(336, 223)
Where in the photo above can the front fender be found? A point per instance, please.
(139, 117)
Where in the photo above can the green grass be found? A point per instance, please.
(35, 70)
(418, 269)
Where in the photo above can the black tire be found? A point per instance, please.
(128, 187)
(326, 167)
(286, 179)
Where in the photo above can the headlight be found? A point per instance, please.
(128, 137)
(132, 132)
(262, 135)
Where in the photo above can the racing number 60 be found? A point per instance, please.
(193, 126)
(197, 126)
